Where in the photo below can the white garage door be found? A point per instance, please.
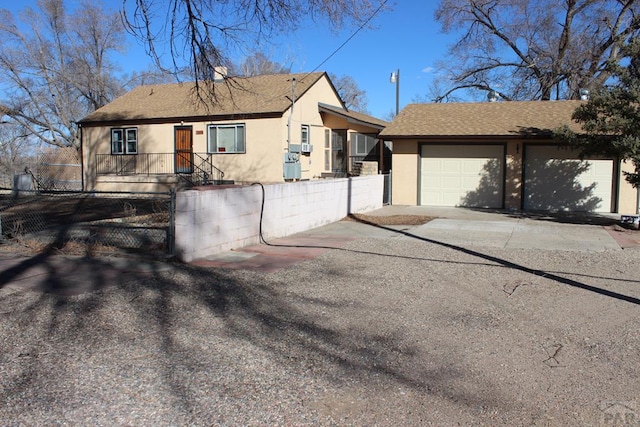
(462, 175)
(556, 179)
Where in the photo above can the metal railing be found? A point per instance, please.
(204, 172)
(197, 167)
(135, 164)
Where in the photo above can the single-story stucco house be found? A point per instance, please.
(269, 128)
(500, 155)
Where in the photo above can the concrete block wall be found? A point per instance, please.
(217, 219)
(369, 168)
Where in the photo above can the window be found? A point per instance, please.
(226, 138)
(327, 150)
(304, 135)
(124, 141)
(362, 145)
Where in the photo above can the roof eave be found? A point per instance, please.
(329, 109)
(469, 137)
(187, 119)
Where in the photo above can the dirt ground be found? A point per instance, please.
(389, 331)
(390, 219)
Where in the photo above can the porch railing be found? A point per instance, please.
(159, 164)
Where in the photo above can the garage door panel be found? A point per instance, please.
(451, 182)
(474, 165)
(450, 167)
(600, 168)
(434, 183)
(450, 200)
(459, 175)
(469, 182)
(556, 179)
(434, 165)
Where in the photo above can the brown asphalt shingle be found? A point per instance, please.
(481, 119)
(248, 95)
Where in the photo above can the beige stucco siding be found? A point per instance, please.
(305, 112)
(513, 176)
(263, 151)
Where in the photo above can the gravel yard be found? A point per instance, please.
(390, 332)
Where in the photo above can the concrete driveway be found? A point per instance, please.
(458, 227)
(511, 230)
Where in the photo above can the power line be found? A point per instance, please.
(366, 22)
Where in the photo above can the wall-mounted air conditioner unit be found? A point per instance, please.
(307, 148)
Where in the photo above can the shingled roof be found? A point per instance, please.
(493, 119)
(354, 116)
(259, 95)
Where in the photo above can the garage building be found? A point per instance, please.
(500, 155)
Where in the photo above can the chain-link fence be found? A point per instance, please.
(59, 168)
(88, 221)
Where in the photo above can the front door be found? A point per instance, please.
(338, 152)
(184, 149)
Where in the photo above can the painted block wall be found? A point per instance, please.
(215, 220)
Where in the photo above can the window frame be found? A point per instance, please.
(305, 130)
(211, 149)
(327, 150)
(124, 141)
(365, 139)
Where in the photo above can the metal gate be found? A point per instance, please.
(386, 192)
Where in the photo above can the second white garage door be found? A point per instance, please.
(556, 179)
(462, 175)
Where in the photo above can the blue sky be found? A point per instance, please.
(405, 37)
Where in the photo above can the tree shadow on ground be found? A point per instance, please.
(576, 218)
(177, 327)
(512, 265)
(162, 323)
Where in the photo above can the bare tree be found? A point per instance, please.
(353, 97)
(14, 151)
(526, 50)
(201, 34)
(259, 64)
(55, 67)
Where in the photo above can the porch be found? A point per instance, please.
(186, 168)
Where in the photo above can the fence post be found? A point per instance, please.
(171, 238)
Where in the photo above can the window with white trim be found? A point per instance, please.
(327, 150)
(362, 145)
(227, 138)
(304, 134)
(124, 141)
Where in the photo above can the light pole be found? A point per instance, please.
(395, 78)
